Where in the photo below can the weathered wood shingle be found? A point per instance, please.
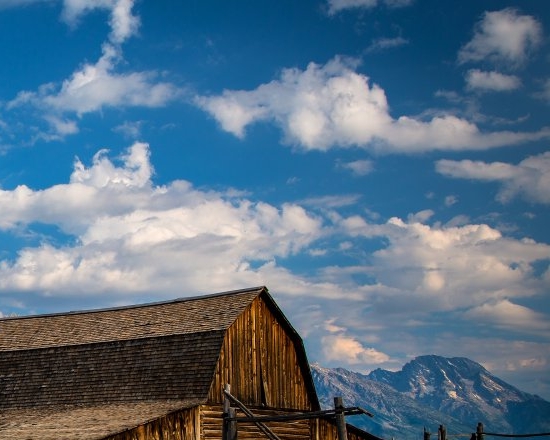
(187, 315)
(174, 367)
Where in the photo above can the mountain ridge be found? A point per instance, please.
(430, 391)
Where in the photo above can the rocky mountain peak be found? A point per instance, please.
(432, 390)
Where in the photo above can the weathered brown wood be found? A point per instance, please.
(180, 425)
(260, 360)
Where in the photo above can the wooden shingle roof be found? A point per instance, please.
(110, 369)
(181, 316)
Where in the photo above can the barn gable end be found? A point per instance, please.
(264, 361)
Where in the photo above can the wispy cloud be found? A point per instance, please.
(93, 87)
(529, 179)
(123, 23)
(358, 167)
(382, 44)
(491, 81)
(336, 6)
(504, 313)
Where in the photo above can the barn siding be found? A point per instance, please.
(180, 425)
(322, 429)
(256, 378)
(211, 421)
(205, 423)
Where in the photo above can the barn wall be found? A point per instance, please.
(259, 360)
(181, 425)
(313, 429)
(211, 422)
(322, 429)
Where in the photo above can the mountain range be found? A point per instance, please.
(430, 391)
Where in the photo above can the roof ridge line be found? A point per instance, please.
(137, 306)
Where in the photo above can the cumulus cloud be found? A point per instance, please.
(502, 36)
(334, 106)
(529, 179)
(95, 86)
(491, 81)
(131, 235)
(446, 268)
(342, 348)
(132, 240)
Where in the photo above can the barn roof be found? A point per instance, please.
(60, 372)
(181, 316)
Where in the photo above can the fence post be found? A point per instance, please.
(427, 434)
(226, 431)
(442, 433)
(479, 431)
(340, 419)
(232, 425)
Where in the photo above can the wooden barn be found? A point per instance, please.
(157, 372)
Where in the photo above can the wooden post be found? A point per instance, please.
(479, 431)
(340, 419)
(427, 434)
(442, 433)
(232, 425)
(226, 431)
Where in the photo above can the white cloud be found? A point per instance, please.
(134, 241)
(348, 350)
(132, 236)
(94, 87)
(358, 167)
(502, 36)
(6, 4)
(451, 200)
(445, 268)
(382, 44)
(331, 202)
(123, 23)
(333, 106)
(505, 313)
(340, 5)
(491, 81)
(529, 179)
(129, 129)
(545, 93)
(420, 216)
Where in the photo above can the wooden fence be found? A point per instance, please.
(479, 434)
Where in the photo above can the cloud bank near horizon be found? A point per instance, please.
(132, 237)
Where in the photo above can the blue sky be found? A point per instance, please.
(383, 166)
